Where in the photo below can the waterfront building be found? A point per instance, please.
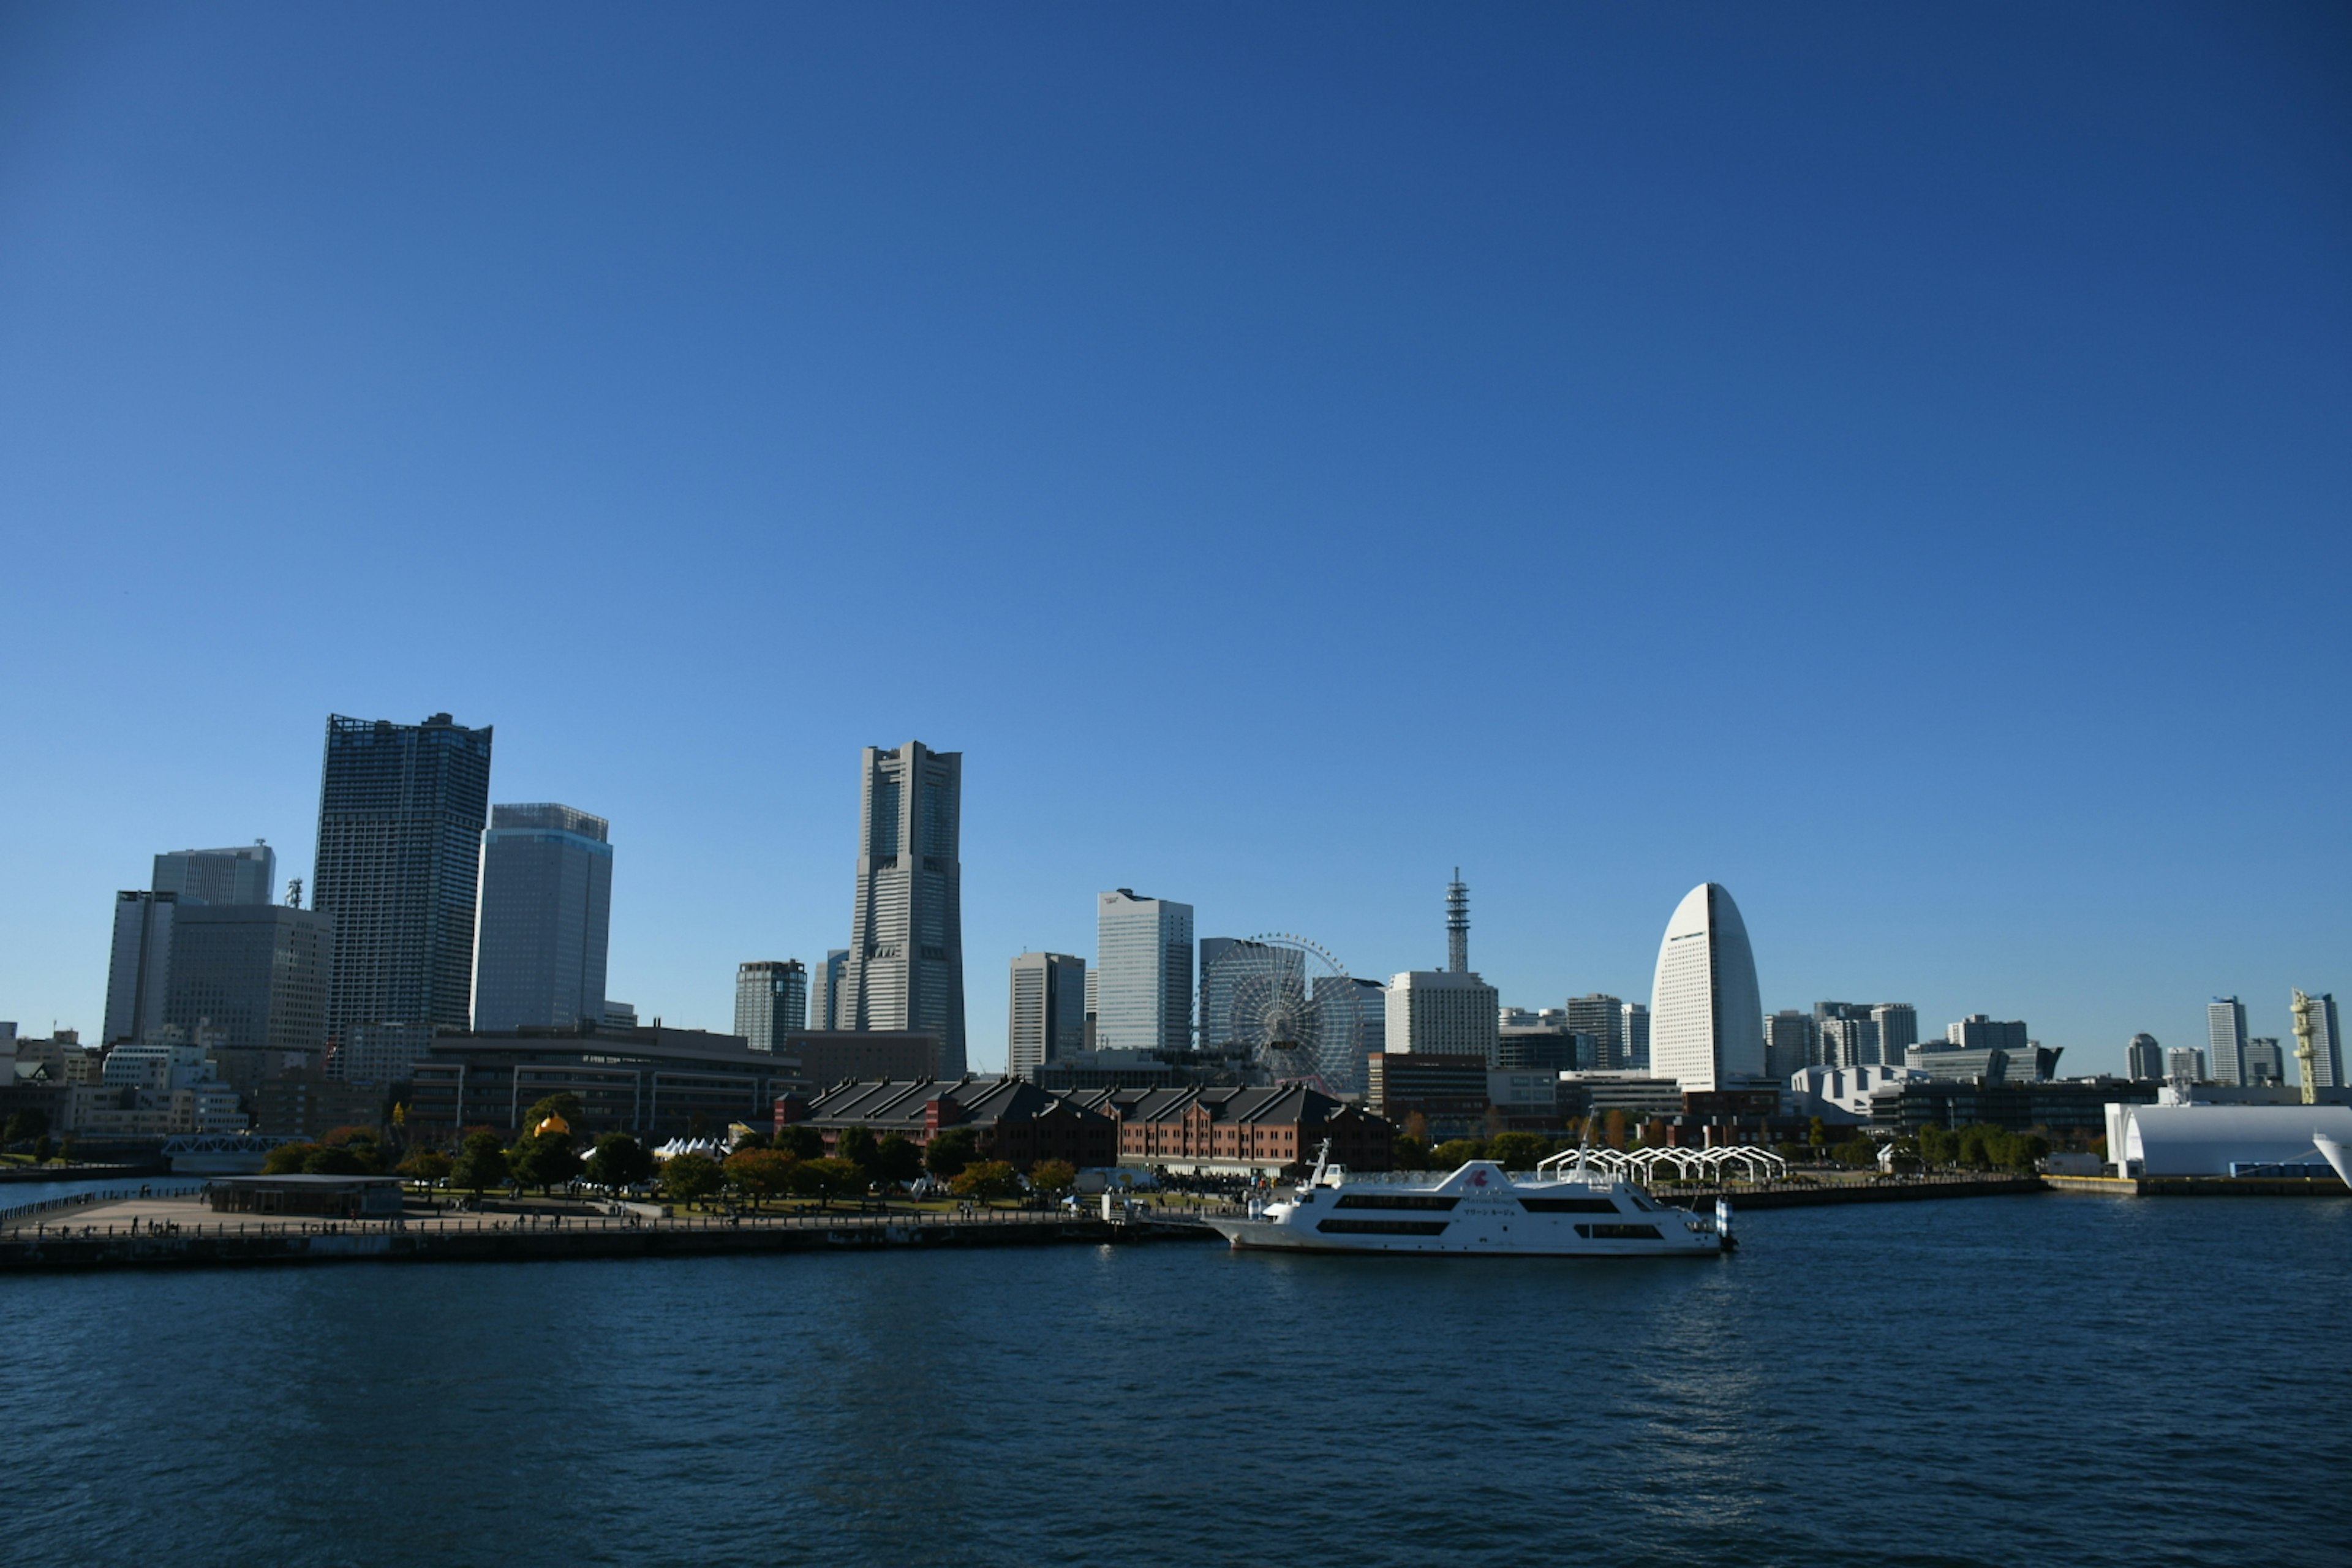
(2187, 1064)
(1791, 1042)
(306, 1104)
(1547, 1046)
(1444, 1012)
(771, 1000)
(1143, 989)
(2200, 1140)
(2265, 1063)
(401, 813)
(2060, 1108)
(1047, 1018)
(2326, 1042)
(1707, 1029)
(546, 920)
(2031, 1061)
(1009, 1119)
(655, 1083)
(813, 1058)
(1840, 1095)
(2144, 1058)
(1636, 1037)
(2225, 1039)
(825, 990)
(1979, 1032)
(1259, 1131)
(139, 972)
(619, 1014)
(1639, 1096)
(245, 874)
(906, 950)
(1603, 1018)
(1447, 1091)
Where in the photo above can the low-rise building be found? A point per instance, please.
(1448, 1091)
(2070, 1106)
(655, 1083)
(818, 1058)
(1010, 1119)
(1840, 1096)
(1243, 1132)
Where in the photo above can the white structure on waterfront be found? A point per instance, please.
(1841, 1094)
(2225, 1036)
(1144, 972)
(1707, 1023)
(2207, 1140)
(1435, 1011)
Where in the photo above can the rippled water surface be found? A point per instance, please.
(2050, 1379)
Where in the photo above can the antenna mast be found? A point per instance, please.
(1457, 924)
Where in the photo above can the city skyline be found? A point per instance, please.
(1641, 330)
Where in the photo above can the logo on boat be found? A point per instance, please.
(1477, 1178)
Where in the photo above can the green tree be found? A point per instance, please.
(859, 1146)
(686, 1177)
(801, 1140)
(1818, 1134)
(426, 1165)
(760, 1173)
(481, 1162)
(287, 1158)
(951, 1152)
(1857, 1154)
(752, 1140)
(1518, 1151)
(41, 1150)
(1456, 1152)
(26, 1125)
(565, 1106)
(340, 1160)
(899, 1160)
(618, 1161)
(543, 1161)
(66, 1149)
(986, 1179)
(1051, 1176)
(1409, 1153)
(827, 1179)
(1939, 1146)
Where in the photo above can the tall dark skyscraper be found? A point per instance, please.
(906, 945)
(401, 813)
(547, 905)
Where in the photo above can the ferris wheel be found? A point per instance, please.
(1292, 1008)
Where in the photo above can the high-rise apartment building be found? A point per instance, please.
(1602, 1019)
(1791, 1044)
(1440, 1012)
(2144, 1058)
(245, 875)
(1978, 1032)
(1143, 980)
(1048, 1012)
(771, 998)
(2225, 1039)
(1852, 1043)
(906, 950)
(825, 990)
(1898, 1030)
(2187, 1062)
(401, 813)
(546, 907)
(2326, 1043)
(1637, 1035)
(141, 969)
(1707, 1023)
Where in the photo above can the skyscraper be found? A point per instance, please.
(141, 970)
(1048, 1012)
(906, 948)
(1898, 1030)
(1143, 963)
(1849, 1042)
(771, 999)
(401, 813)
(825, 990)
(1791, 1044)
(1637, 1035)
(2144, 1058)
(1441, 1013)
(1707, 1024)
(2225, 1039)
(245, 875)
(547, 904)
(2265, 1063)
(1603, 1018)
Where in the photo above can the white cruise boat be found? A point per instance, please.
(1567, 1211)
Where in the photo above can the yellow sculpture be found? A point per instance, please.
(553, 1123)
(2307, 1056)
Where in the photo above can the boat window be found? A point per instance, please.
(1568, 1206)
(1394, 1201)
(1642, 1200)
(1614, 1232)
(1386, 1226)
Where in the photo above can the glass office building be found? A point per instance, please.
(547, 903)
(906, 949)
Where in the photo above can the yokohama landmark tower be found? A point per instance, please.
(906, 945)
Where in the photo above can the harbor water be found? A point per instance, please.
(2046, 1379)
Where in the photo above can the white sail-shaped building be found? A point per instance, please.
(1706, 1022)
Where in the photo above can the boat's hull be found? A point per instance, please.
(1272, 1236)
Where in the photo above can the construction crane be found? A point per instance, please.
(2307, 1056)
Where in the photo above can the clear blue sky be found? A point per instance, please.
(1891, 461)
